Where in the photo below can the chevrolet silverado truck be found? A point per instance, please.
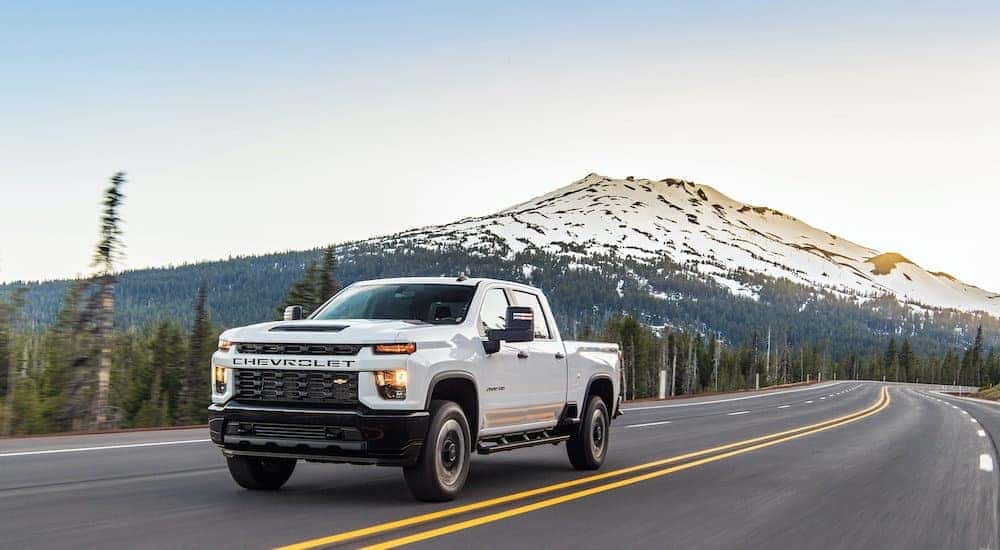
(413, 372)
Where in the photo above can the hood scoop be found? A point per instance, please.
(308, 328)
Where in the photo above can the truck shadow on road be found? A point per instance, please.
(489, 477)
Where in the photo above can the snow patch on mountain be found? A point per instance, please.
(698, 226)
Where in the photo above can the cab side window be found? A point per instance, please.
(493, 314)
(530, 300)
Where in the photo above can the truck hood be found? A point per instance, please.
(341, 331)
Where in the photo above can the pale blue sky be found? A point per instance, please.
(253, 127)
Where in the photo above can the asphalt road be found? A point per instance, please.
(915, 471)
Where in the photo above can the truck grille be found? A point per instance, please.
(297, 386)
(299, 349)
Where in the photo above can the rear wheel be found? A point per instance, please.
(443, 465)
(260, 473)
(588, 446)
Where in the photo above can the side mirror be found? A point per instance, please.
(520, 328)
(491, 346)
(293, 313)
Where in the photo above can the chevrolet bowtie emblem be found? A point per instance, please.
(339, 381)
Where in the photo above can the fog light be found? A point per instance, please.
(391, 384)
(219, 375)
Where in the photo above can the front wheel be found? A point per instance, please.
(443, 465)
(260, 473)
(588, 446)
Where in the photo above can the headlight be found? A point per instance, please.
(219, 375)
(391, 384)
(224, 345)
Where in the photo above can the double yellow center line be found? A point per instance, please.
(703, 456)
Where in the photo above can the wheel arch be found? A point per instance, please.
(460, 387)
(601, 386)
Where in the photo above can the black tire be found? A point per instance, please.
(443, 465)
(588, 446)
(260, 473)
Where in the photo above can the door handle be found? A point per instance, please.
(522, 355)
(560, 355)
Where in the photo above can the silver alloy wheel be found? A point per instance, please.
(598, 433)
(450, 452)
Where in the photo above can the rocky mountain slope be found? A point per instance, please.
(699, 227)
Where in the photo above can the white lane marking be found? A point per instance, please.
(965, 412)
(808, 402)
(738, 412)
(954, 406)
(731, 399)
(985, 463)
(974, 421)
(822, 398)
(784, 406)
(982, 433)
(648, 424)
(104, 448)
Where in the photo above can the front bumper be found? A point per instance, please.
(385, 438)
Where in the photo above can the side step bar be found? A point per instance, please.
(518, 441)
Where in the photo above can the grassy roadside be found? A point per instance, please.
(992, 393)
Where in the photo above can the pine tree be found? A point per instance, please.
(5, 357)
(993, 366)
(673, 368)
(169, 356)
(890, 363)
(316, 286)
(69, 383)
(8, 313)
(964, 367)
(303, 292)
(106, 255)
(716, 357)
(691, 372)
(326, 284)
(906, 362)
(138, 382)
(977, 356)
(151, 412)
(195, 384)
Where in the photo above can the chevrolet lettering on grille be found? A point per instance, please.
(279, 362)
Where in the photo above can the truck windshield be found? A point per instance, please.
(428, 303)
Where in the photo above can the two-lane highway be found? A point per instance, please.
(838, 465)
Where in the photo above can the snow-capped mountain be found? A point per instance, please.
(702, 228)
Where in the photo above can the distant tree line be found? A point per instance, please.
(694, 363)
(245, 290)
(132, 349)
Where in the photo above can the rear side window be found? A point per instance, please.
(493, 315)
(527, 299)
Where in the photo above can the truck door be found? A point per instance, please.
(515, 388)
(546, 370)
(499, 387)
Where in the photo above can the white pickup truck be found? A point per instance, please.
(414, 372)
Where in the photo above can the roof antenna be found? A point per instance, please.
(462, 276)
